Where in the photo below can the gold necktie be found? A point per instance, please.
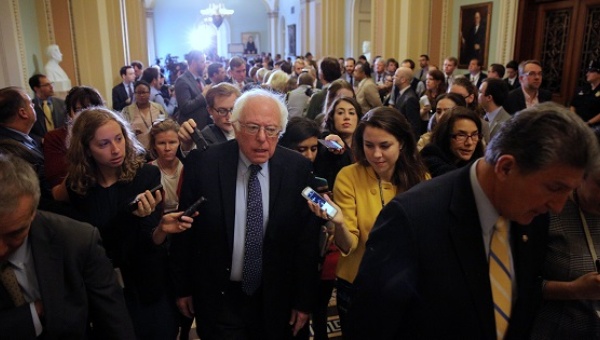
(500, 276)
(9, 280)
(48, 115)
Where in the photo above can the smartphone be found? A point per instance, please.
(598, 265)
(313, 196)
(194, 207)
(424, 101)
(199, 140)
(331, 144)
(133, 205)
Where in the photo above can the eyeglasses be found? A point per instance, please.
(461, 137)
(223, 111)
(47, 84)
(142, 93)
(252, 129)
(533, 74)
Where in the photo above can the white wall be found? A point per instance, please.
(285, 11)
(174, 19)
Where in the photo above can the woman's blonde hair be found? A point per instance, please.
(83, 170)
(164, 126)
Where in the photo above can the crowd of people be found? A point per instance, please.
(448, 190)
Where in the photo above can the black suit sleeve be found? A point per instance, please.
(119, 98)
(17, 322)
(387, 278)
(190, 106)
(108, 314)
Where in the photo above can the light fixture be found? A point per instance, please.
(217, 12)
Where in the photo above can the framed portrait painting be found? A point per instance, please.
(474, 33)
(251, 41)
(292, 39)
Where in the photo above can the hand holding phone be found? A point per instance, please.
(201, 143)
(193, 208)
(330, 144)
(314, 197)
(133, 205)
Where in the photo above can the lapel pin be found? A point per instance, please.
(525, 238)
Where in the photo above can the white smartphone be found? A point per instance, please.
(312, 195)
(424, 101)
(330, 144)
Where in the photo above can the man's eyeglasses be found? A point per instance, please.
(533, 74)
(223, 111)
(47, 84)
(252, 129)
(461, 137)
(142, 93)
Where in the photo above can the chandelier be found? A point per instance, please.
(217, 12)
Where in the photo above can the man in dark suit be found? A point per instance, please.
(17, 117)
(188, 91)
(220, 99)
(238, 283)
(56, 281)
(475, 75)
(431, 255)
(530, 93)
(512, 75)
(50, 111)
(329, 71)
(237, 73)
(122, 94)
(473, 42)
(406, 101)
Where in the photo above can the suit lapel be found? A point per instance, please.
(277, 168)
(48, 259)
(465, 233)
(227, 170)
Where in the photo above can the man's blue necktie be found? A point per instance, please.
(252, 272)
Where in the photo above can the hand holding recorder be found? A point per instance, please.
(145, 203)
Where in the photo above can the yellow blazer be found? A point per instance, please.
(357, 192)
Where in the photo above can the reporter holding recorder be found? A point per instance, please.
(106, 173)
(387, 163)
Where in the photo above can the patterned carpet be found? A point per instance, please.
(333, 322)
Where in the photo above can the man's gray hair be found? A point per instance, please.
(543, 135)
(260, 94)
(17, 179)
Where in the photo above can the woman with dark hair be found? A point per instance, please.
(444, 103)
(142, 113)
(470, 93)
(456, 141)
(301, 134)
(434, 86)
(338, 88)
(55, 141)
(109, 183)
(387, 163)
(341, 121)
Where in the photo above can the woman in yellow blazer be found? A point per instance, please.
(387, 163)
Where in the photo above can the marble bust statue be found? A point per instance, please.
(54, 72)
